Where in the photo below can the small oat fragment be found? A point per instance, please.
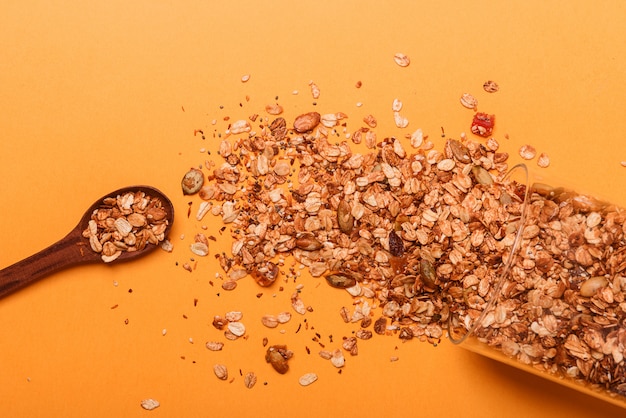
(214, 345)
(274, 109)
(315, 90)
(338, 360)
(370, 120)
(307, 378)
(167, 246)
(402, 59)
(417, 138)
(543, 160)
(400, 121)
(245, 78)
(150, 404)
(396, 105)
(491, 86)
(283, 317)
(469, 101)
(527, 152)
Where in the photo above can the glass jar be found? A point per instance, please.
(558, 308)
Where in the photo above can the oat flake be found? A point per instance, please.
(527, 152)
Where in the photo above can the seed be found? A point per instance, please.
(245, 78)
(340, 280)
(308, 243)
(307, 379)
(459, 151)
(192, 181)
(481, 175)
(401, 59)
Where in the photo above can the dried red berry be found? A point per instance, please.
(483, 124)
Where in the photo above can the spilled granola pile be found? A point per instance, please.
(425, 240)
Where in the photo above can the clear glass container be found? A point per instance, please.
(558, 308)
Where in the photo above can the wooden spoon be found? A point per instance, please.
(75, 248)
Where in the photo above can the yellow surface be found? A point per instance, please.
(101, 95)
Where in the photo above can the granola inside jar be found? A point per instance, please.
(561, 311)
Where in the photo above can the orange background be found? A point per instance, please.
(101, 95)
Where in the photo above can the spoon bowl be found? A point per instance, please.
(75, 248)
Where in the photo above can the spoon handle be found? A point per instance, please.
(65, 252)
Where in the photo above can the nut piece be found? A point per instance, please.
(592, 285)
(192, 181)
(150, 404)
(306, 122)
(401, 59)
(277, 356)
(220, 371)
(307, 379)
